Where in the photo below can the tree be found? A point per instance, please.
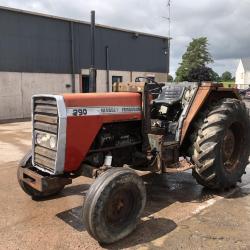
(216, 77)
(170, 78)
(196, 56)
(202, 73)
(226, 76)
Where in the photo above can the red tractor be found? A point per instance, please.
(165, 128)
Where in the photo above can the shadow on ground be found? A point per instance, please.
(80, 190)
(162, 191)
(146, 231)
(74, 218)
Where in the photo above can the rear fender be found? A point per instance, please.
(206, 95)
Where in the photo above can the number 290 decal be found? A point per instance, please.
(80, 112)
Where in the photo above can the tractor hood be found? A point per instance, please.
(86, 114)
(102, 99)
(70, 122)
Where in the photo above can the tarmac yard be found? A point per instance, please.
(179, 214)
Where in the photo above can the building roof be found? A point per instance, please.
(246, 63)
(79, 21)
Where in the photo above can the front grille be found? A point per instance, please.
(45, 119)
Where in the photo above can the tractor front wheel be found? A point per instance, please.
(114, 204)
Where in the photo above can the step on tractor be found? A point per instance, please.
(140, 126)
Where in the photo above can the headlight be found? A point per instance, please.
(39, 138)
(46, 140)
(52, 142)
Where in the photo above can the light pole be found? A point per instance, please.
(168, 18)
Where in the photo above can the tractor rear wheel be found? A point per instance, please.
(36, 195)
(114, 204)
(221, 144)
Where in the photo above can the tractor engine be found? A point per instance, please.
(121, 140)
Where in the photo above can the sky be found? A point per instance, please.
(226, 23)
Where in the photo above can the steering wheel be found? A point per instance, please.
(149, 80)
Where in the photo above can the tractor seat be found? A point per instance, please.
(170, 95)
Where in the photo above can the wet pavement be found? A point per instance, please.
(179, 214)
(225, 225)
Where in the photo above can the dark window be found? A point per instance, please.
(116, 79)
(85, 83)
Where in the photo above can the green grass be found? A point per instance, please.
(229, 84)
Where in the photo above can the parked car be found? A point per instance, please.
(245, 93)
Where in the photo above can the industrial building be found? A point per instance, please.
(46, 54)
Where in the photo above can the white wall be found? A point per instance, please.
(16, 90)
(240, 75)
(127, 76)
(159, 77)
(10, 96)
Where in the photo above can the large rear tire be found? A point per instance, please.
(36, 195)
(114, 204)
(221, 144)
